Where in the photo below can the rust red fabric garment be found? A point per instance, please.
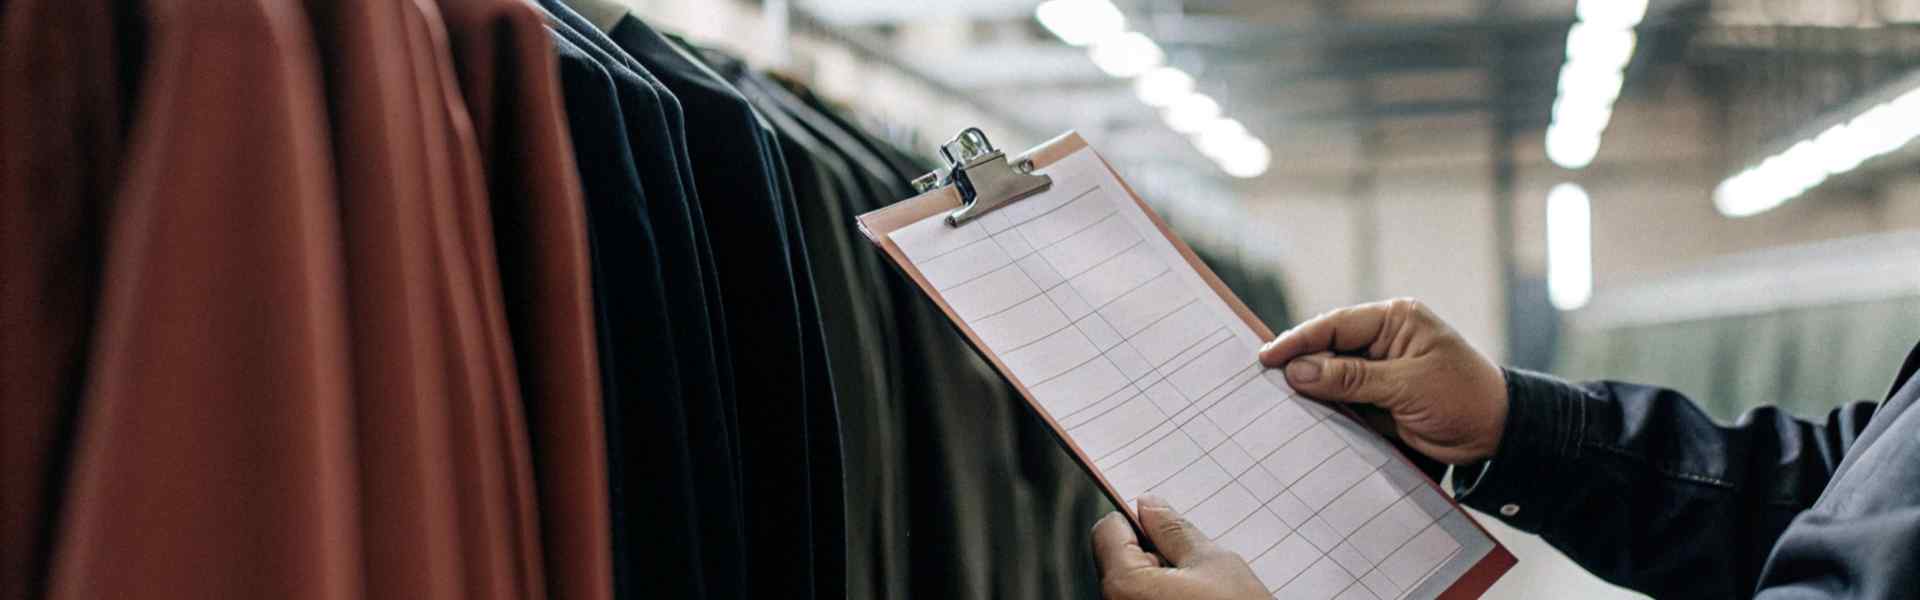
(264, 339)
(211, 424)
(62, 127)
(444, 460)
(505, 66)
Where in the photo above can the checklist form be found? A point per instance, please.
(1086, 303)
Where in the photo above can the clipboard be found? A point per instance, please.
(980, 179)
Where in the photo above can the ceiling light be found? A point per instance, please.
(1126, 55)
(1251, 159)
(1883, 128)
(1619, 14)
(1081, 22)
(1162, 86)
(1571, 148)
(1220, 136)
(1841, 148)
(1802, 166)
(1569, 246)
(1591, 81)
(1886, 127)
(1573, 114)
(1189, 114)
(1593, 43)
(1743, 195)
(1599, 47)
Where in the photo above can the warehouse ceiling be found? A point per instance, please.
(1331, 84)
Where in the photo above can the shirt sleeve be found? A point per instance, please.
(1638, 485)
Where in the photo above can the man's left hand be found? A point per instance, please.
(1193, 568)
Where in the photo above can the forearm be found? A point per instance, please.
(1638, 485)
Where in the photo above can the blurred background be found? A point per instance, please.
(1713, 195)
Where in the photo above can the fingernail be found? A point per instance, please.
(1153, 502)
(1304, 370)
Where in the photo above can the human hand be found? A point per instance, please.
(1446, 400)
(1199, 570)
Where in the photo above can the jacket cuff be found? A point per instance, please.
(1521, 483)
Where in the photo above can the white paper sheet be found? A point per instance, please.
(1156, 379)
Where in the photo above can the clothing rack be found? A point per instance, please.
(480, 299)
(1021, 128)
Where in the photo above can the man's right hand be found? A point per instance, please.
(1447, 400)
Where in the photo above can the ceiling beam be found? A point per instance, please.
(1733, 43)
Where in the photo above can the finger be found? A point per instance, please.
(1116, 549)
(1175, 537)
(1342, 330)
(1331, 378)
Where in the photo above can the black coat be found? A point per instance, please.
(1639, 486)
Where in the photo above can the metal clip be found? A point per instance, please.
(987, 181)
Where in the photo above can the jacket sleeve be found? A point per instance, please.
(1638, 485)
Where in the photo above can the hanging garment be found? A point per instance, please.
(715, 511)
(1260, 289)
(650, 472)
(327, 399)
(806, 182)
(749, 232)
(446, 470)
(207, 386)
(859, 352)
(64, 107)
(507, 75)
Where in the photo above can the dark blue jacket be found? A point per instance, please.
(1639, 486)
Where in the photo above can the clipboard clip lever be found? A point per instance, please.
(984, 177)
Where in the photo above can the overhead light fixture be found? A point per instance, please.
(1250, 159)
(1745, 195)
(1189, 114)
(1571, 115)
(1590, 82)
(1599, 47)
(1220, 137)
(1161, 87)
(1598, 44)
(1569, 246)
(1126, 55)
(1081, 22)
(1572, 148)
(1102, 27)
(1842, 147)
(1617, 14)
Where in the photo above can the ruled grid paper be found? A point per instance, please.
(1155, 378)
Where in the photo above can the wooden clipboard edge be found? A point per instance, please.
(1482, 575)
(879, 225)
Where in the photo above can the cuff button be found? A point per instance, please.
(1509, 510)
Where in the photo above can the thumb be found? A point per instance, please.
(1323, 376)
(1173, 536)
